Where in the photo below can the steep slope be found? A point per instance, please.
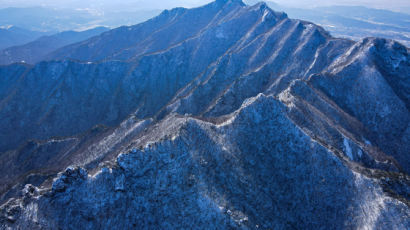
(223, 126)
(159, 33)
(35, 51)
(378, 96)
(354, 22)
(113, 89)
(215, 176)
(35, 161)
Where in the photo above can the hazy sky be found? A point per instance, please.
(397, 5)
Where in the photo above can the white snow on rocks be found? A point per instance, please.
(348, 149)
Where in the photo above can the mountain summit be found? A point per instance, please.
(224, 116)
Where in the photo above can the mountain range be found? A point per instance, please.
(225, 116)
(38, 49)
(12, 36)
(55, 20)
(354, 22)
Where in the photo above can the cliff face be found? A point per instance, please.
(211, 125)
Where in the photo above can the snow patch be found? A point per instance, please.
(309, 26)
(348, 149)
(31, 212)
(119, 183)
(397, 62)
(367, 142)
(360, 153)
(373, 205)
(6, 27)
(266, 14)
(220, 33)
(227, 122)
(174, 137)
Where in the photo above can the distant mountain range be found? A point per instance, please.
(38, 49)
(12, 36)
(44, 19)
(358, 22)
(225, 116)
(59, 20)
(354, 22)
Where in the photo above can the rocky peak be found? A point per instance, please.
(266, 12)
(225, 2)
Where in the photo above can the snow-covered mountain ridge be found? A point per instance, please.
(191, 121)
